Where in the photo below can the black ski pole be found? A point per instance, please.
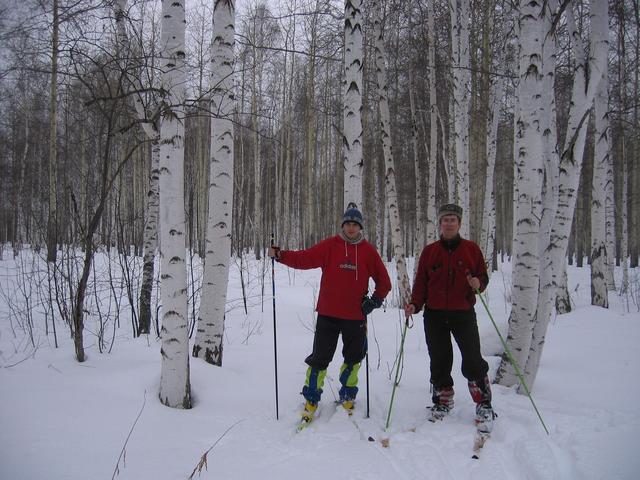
(275, 342)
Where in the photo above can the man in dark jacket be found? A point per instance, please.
(347, 261)
(449, 272)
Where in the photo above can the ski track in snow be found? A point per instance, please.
(63, 420)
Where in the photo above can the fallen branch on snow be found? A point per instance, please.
(203, 459)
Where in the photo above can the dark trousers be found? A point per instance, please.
(439, 325)
(325, 341)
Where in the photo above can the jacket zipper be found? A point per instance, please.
(449, 273)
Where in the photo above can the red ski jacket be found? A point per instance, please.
(441, 278)
(346, 269)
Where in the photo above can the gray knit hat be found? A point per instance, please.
(450, 209)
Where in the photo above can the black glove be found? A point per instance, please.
(369, 304)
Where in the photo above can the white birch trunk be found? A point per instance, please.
(151, 129)
(550, 162)
(17, 246)
(432, 224)
(385, 231)
(257, 155)
(584, 89)
(352, 103)
(599, 291)
(461, 95)
(488, 231)
(150, 241)
(175, 389)
(387, 149)
(380, 216)
(451, 165)
(288, 168)
(610, 224)
(488, 236)
(528, 150)
(563, 298)
(624, 238)
(208, 341)
(419, 232)
(549, 139)
(52, 221)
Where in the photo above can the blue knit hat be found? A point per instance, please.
(353, 215)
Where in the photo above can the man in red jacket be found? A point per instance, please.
(347, 261)
(449, 272)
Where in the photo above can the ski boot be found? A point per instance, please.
(442, 399)
(309, 411)
(348, 405)
(438, 412)
(484, 418)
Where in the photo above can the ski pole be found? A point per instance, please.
(395, 381)
(512, 361)
(366, 353)
(366, 346)
(275, 342)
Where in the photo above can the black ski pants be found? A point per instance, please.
(325, 341)
(439, 325)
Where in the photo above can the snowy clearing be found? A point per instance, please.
(65, 420)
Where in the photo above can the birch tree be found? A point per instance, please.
(622, 152)
(461, 102)
(175, 387)
(261, 31)
(52, 221)
(352, 103)
(256, 100)
(488, 235)
(310, 192)
(549, 141)
(150, 241)
(624, 233)
(432, 227)
(209, 335)
(529, 350)
(419, 237)
(610, 225)
(601, 167)
(287, 151)
(588, 73)
(528, 150)
(387, 149)
(150, 125)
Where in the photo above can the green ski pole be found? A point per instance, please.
(395, 381)
(513, 361)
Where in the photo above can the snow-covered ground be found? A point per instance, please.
(63, 420)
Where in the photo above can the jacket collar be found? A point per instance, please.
(357, 240)
(451, 244)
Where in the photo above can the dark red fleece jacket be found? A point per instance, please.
(441, 278)
(346, 269)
